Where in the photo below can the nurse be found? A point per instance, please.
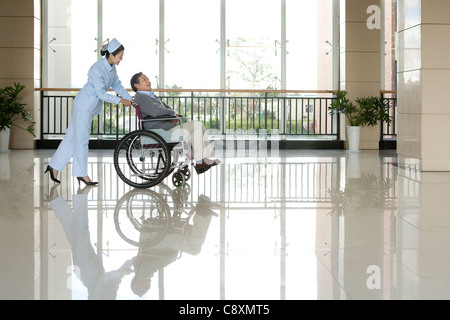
(102, 76)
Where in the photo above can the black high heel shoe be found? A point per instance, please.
(50, 169)
(88, 183)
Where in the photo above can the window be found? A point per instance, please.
(190, 56)
(192, 59)
(309, 46)
(135, 24)
(253, 35)
(71, 44)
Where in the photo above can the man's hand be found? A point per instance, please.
(175, 121)
(126, 103)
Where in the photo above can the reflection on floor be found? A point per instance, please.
(309, 224)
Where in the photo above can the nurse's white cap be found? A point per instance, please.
(113, 45)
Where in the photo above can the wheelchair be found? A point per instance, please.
(144, 158)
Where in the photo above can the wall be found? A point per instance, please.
(360, 59)
(20, 45)
(423, 78)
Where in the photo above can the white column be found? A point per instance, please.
(423, 78)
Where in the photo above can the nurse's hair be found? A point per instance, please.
(135, 80)
(106, 53)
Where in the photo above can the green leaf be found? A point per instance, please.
(368, 111)
(12, 109)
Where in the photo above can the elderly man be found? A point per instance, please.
(194, 132)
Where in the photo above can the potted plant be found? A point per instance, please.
(11, 110)
(368, 111)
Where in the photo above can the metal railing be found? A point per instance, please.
(298, 115)
(291, 113)
(389, 131)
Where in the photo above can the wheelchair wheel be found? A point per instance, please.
(186, 172)
(142, 217)
(142, 159)
(178, 179)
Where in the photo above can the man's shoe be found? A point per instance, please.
(212, 162)
(202, 167)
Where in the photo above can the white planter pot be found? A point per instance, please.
(4, 140)
(354, 135)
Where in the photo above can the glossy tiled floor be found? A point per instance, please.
(288, 225)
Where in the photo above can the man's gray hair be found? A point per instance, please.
(135, 80)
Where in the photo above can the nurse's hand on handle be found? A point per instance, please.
(126, 103)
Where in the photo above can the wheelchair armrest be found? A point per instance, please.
(180, 119)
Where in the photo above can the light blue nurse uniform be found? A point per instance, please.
(87, 103)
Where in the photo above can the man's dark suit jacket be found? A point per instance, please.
(154, 108)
